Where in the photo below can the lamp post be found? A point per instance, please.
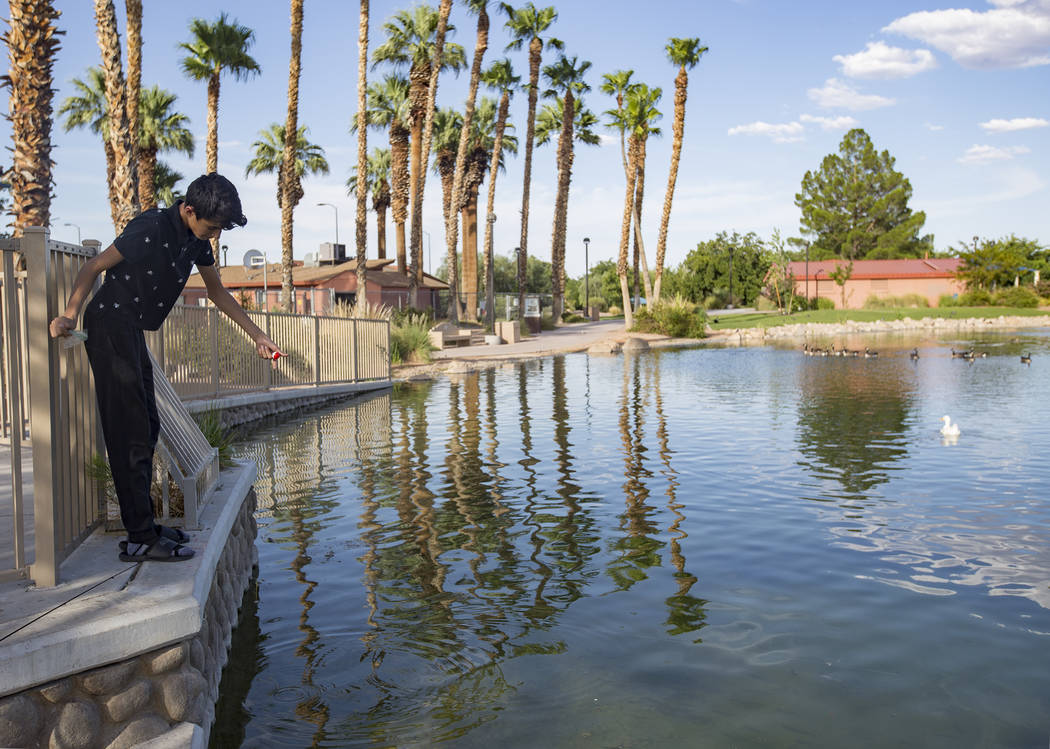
(586, 278)
(807, 275)
(730, 277)
(75, 227)
(816, 281)
(330, 205)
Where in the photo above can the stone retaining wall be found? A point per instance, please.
(166, 696)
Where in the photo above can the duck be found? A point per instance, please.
(961, 354)
(869, 354)
(949, 429)
(1026, 358)
(914, 355)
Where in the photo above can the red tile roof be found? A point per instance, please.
(942, 267)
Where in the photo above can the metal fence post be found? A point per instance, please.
(213, 332)
(269, 370)
(317, 350)
(355, 350)
(43, 366)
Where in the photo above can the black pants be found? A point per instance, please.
(128, 412)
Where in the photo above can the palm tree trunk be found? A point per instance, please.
(451, 220)
(561, 207)
(125, 172)
(32, 44)
(287, 178)
(380, 231)
(399, 187)
(625, 237)
(418, 95)
(497, 149)
(639, 244)
(147, 175)
(535, 52)
(428, 128)
(470, 256)
(211, 149)
(134, 12)
(111, 167)
(361, 233)
(681, 83)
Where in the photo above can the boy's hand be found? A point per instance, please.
(61, 326)
(267, 349)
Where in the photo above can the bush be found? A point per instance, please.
(362, 309)
(896, 302)
(572, 317)
(615, 311)
(1017, 296)
(218, 436)
(410, 339)
(1043, 287)
(676, 317)
(822, 302)
(975, 298)
(948, 300)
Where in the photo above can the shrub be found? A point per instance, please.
(896, 302)
(399, 316)
(410, 339)
(948, 300)
(218, 435)
(975, 298)
(1017, 296)
(822, 302)
(615, 311)
(676, 317)
(1043, 287)
(765, 304)
(362, 309)
(572, 317)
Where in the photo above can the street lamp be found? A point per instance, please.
(75, 227)
(730, 277)
(336, 220)
(586, 278)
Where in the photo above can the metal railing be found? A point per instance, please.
(206, 355)
(61, 406)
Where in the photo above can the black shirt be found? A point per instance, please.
(159, 253)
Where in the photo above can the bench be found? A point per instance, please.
(447, 336)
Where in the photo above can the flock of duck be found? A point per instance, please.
(969, 355)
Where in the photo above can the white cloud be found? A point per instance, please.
(608, 140)
(934, 128)
(830, 123)
(1014, 34)
(788, 132)
(879, 60)
(837, 94)
(1017, 123)
(976, 154)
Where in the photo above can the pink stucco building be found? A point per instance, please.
(930, 278)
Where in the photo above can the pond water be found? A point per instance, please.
(702, 547)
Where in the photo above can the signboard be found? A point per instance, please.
(532, 306)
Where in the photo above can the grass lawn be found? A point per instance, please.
(773, 319)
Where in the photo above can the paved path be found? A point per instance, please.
(564, 339)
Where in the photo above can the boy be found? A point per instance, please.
(146, 270)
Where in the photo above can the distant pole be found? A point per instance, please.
(586, 278)
(336, 220)
(77, 228)
(730, 276)
(807, 275)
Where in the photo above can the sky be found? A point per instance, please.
(955, 90)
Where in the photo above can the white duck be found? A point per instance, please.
(949, 429)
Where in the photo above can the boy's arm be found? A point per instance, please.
(222, 299)
(89, 271)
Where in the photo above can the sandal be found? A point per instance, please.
(161, 550)
(171, 533)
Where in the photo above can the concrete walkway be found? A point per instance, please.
(564, 339)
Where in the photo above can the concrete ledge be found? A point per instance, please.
(241, 400)
(110, 610)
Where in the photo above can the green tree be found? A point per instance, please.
(269, 152)
(88, 108)
(161, 129)
(856, 206)
(164, 181)
(842, 273)
(377, 180)
(998, 262)
(705, 271)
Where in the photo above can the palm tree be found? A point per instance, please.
(32, 42)
(160, 129)
(480, 156)
(388, 106)
(451, 222)
(377, 179)
(616, 84)
(164, 180)
(269, 159)
(412, 41)
(641, 108)
(88, 109)
(447, 125)
(217, 47)
(125, 173)
(685, 53)
(499, 76)
(566, 79)
(527, 24)
(361, 233)
(134, 13)
(288, 185)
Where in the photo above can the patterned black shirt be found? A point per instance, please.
(159, 253)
